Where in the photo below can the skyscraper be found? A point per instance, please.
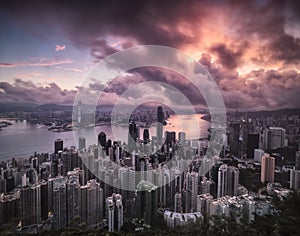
(178, 202)
(82, 143)
(267, 168)
(114, 212)
(297, 160)
(181, 137)
(73, 199)
(192, 190)
(234, 134)
(147, 202)
(252, 143)
(132, 136)
(30, 205)
(160, 122)
(170, 137)
(58, 145)
(273, 138)
(146, 136)
(258, 154)
(228, 180)
(59, 199)
(102, 139)
(203, 203)
(295, 179)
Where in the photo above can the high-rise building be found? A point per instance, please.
(178, 202)
(192, 190)
(234, 135)
(147, 202)
(146, 136)
(114, 212)
(58, 145)
(9, 206)
(295, 179)
(82, 143)
(79, 113)
(252, 144)
(258, 154)
(44, 200)
(297, 160)
(181, 137)
(132, 136)
(267, 168)
(59, 205)
(203, 203)
(228, 180)
(205, 185)
(30, 205)
(273, 138)
(160, 122)
(170, 137)
(102, 140)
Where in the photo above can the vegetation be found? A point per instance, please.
(286, 222)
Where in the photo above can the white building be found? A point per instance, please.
(258, 154)
(174, 219)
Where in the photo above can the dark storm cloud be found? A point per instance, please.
(229, 58)
(147, 21)
(100, 49)
(259, 23)
(259, 89)
(153, 22)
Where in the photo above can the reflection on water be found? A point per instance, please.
(22, 139)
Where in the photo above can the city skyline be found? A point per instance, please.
(145, 117)
(251, 48)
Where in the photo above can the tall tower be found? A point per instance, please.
(79, 113)
(132, 136)
(82, 143)
(102, 139)
(178, 202)
(234, 135)
(146, 136)
(147, 202)
(252, 144)
(192, 189)
(267, 168)
(58, 145)
(273, 138)
(181, 137)
(114, 212)
(228, 180)
(160, 121)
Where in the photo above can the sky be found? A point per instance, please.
(251, 48)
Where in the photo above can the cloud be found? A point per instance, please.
(26, 91)
(100, 49)
(229, 58)
(267, 29)
(256, 90)
(37, 62)
(232, 35)
(59, 48)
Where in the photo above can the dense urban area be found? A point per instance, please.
(159, 186)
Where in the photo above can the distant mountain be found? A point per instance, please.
(54, 107)
(30, 107)
(17, 107)
(277, 112)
